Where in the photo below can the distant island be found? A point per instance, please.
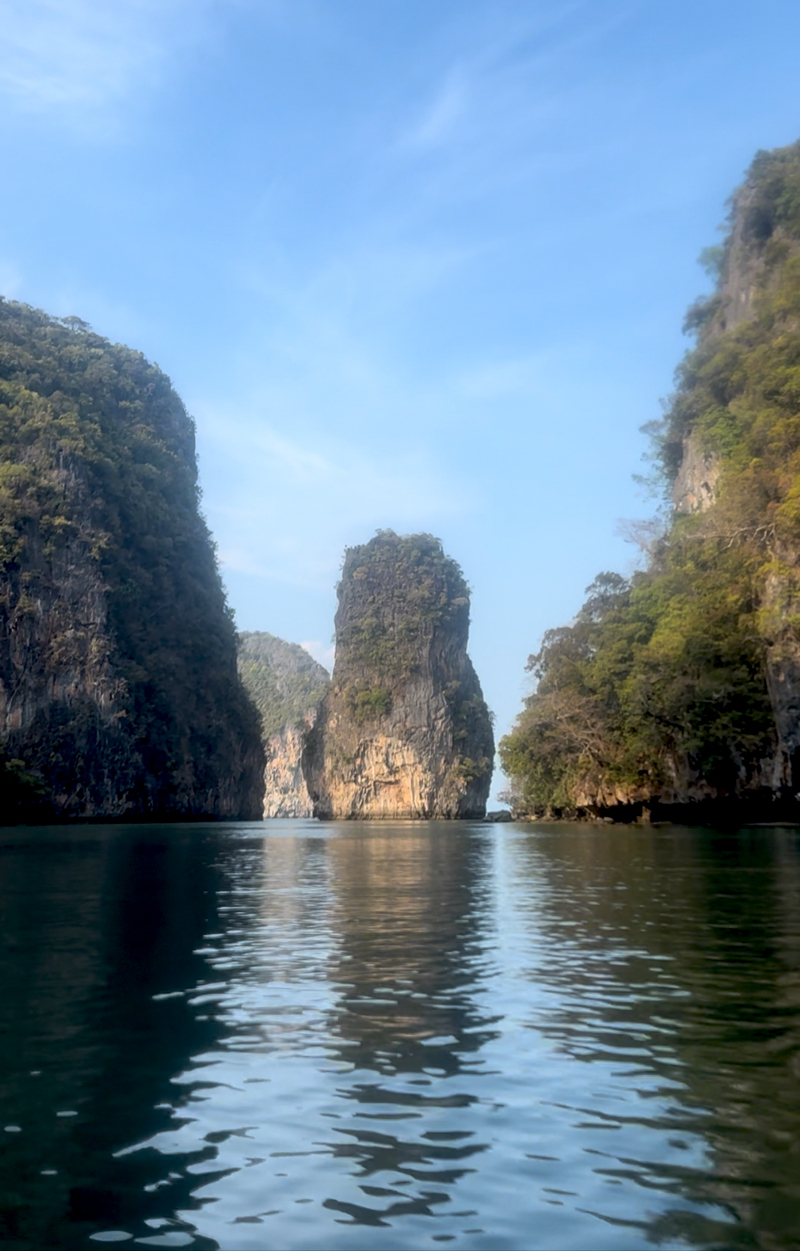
(125, 692)
(675, 694)
(286, 685)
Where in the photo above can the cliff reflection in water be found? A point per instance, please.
(341, 986)
(96, 922)
(408, 915)
(681, 951)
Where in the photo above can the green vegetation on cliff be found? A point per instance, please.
(118, 683)
(409, 591)
(283, 681)
(406, 587)
(665, 685)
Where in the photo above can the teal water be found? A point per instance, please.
(300, 1035)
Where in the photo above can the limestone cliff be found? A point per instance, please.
(695, 486)
(758, 267)
(404, 730)
(678, 690)
(119, 695)
(286, 686)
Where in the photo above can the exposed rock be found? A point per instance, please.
(119, 695)
(780, 611)
(755, 253)
(404, 731)
(695, 486)
(285, 790)
(286, 686)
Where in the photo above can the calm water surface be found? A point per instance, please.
(299, 1035)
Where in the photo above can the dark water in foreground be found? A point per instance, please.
(296, 1035)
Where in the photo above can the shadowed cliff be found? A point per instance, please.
(119, 694)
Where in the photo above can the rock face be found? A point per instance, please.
(286, 686)
(760, 255)
(695, 486)
(404, 731)
(119, 696)
(285, 790)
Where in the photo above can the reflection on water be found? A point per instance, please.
(312, 1036)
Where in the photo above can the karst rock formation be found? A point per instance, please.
(286, 685)
(403, 731)
(119, 692)
(676, 692)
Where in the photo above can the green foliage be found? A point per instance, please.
(98, 481)
(468, 770)
(399, 592)
(774, 202)
(367, 703)
(712, 260)
(283, 681)
(665, 675)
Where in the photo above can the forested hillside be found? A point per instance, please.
(681, 686)
(284, 682)
(119, 693)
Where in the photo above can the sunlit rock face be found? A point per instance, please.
(695, 487)
(285, 790)
(763, 252)
(119, 695)
(286, 685)
(404, 731)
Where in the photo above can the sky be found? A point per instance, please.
(418, 264)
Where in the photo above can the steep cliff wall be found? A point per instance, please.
(679, 689)
(119, 695)
(286, 686)
(404, 730)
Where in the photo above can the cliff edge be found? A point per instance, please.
(404, 731)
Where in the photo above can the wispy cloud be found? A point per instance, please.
(439, 119)
(74, 60)
(283, 510)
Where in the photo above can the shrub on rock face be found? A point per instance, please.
(119, 692)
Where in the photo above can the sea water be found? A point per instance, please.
(305, 1035)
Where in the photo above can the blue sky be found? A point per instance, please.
(410, 263)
